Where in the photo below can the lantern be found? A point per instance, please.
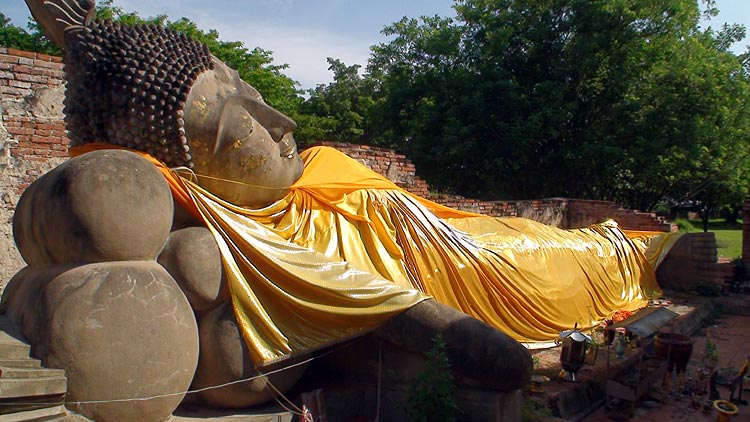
(573, 354)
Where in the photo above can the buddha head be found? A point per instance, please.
(242, 149)
(155, 90)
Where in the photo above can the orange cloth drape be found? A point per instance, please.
(525, 278)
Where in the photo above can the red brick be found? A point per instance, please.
(21, 152)
(51, 126)
(21, 53)
(22, 69)
(45, 140)
(21, 138)
(5, 58)
(16, 92)
(20, 131)
(51, 73)
(32, 78)
(50, 64)
(19, 84)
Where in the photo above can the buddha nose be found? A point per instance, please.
(276, 123)
(280, 127)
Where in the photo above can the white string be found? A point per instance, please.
(219, 179)
(297, 411)
(159, 396)
(380, 369)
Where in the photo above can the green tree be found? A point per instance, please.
(625, 100)
(16, 37)
(690, 127)
(425, 95)
(342, 107)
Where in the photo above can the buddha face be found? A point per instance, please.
(243, 150)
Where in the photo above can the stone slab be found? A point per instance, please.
(30, 373)
(262, 414)
(10, 350)
(20, 362)
(31, 387)
(55, 413)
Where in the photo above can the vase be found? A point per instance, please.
(726, 409)
(620, 346)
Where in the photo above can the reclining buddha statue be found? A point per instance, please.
(187, 244)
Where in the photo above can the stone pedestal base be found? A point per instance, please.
(347, 403)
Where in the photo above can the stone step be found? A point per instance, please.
(28, 392)
(12, 350)
(26, 404)
(30, 373)
(55, 413)
(262, 413)
(20, 362)
(32, 387)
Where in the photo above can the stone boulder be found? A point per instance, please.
(109, 205)
(120, 330)
(469, 344)
(224, 359)
(192, 257)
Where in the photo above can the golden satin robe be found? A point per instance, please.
(528, 279)
(347, 249)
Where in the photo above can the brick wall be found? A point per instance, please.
(396, 167)
(560, 212)
(33, 141)
(583, 212)
(32, 135)
(692, 262)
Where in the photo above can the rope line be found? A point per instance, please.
(296, 410)
(159, 396)
(194, 176)
(380, 370)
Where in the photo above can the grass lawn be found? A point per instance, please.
(729, 243)
(728, 236)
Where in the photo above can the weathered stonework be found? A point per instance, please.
(32, 135)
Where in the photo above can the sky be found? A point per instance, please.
(303, 33)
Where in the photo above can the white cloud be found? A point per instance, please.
(300, 33)
(304, 50)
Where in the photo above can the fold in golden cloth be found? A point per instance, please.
(347, 249)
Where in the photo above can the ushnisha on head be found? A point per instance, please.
(158, 91)
(128, 86)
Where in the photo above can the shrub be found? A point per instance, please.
(684, 225)
(433, 394)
